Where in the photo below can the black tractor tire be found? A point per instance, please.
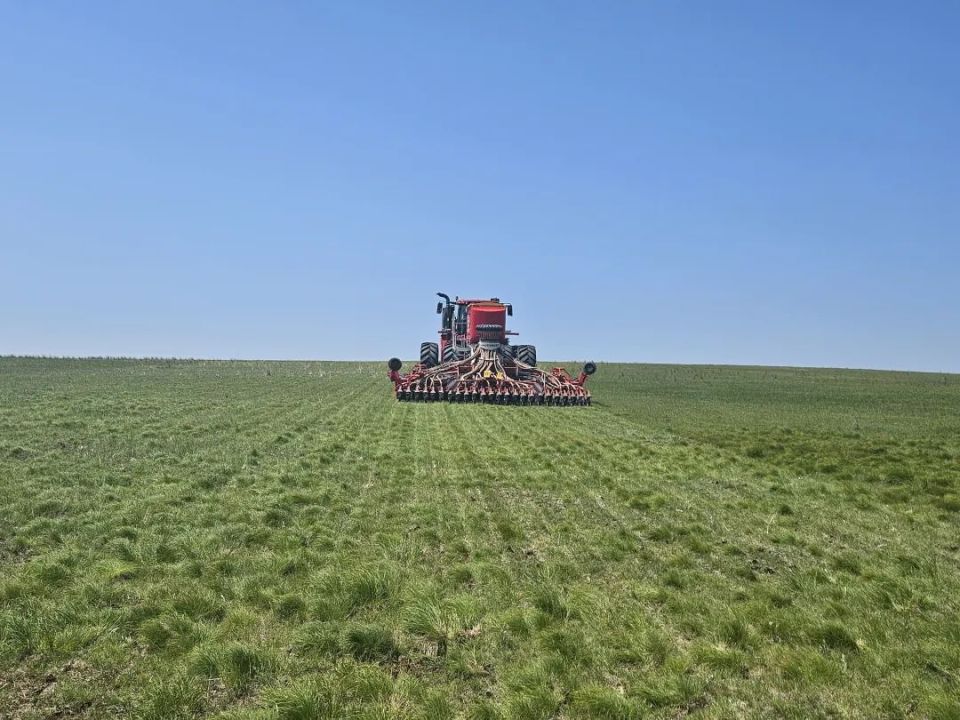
(590, 368)
(394, 364)
(449, 354)
(527, 354)
(429, 354)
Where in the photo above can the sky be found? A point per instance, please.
(746, 182)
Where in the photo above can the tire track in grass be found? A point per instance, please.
(575, 548)
(485, 538)
(571, 596)
(449, 475)
(515, 523)
(450, 454)
(473, 461)
(568, 488)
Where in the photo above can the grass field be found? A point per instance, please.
(283, 540)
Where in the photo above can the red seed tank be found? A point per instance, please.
(486, 321)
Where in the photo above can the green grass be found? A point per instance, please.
(283, 540)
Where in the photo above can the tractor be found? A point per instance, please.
(475, 362)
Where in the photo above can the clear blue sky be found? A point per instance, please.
(738, 182)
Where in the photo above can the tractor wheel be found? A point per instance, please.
(449, 354)
(429, 354)
(512, 351)
(527, 354)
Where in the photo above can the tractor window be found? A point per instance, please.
(461, 319)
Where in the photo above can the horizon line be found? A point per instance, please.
(155, 358)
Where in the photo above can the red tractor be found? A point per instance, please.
(475, 362)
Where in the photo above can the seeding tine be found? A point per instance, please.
(490, 375)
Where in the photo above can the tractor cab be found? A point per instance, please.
(454, 316)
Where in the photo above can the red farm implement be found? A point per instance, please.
(475, 362)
